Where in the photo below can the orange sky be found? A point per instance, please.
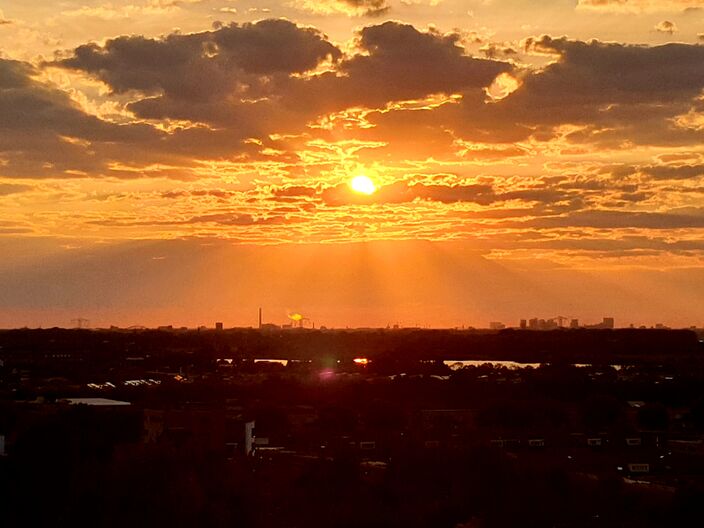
(182, 161)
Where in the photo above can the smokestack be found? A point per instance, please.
(260, 318)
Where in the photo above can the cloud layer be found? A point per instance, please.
(251, 132)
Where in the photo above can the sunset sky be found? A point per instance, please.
(182, 162)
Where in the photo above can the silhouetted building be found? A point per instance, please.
(218, 326)
(186, 430)
(607, 323)
(96, 402)
(541, 324)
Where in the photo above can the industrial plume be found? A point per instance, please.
(297, 319)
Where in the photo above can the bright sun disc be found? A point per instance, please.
(363, 185)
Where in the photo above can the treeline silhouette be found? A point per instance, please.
(83, 466)
(579, 345)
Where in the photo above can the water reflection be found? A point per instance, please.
(458, 365)
(283, 362)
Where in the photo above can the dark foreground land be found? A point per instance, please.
(147, 428)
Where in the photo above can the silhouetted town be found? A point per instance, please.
(303, 427)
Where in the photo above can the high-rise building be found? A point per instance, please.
(608, 322)
(218, 326)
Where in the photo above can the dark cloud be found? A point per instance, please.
(294, 191)
(666, 26)
(479, 193)
(542, 194)
(43, 132)
(545, 198)
(616, 247)
(236, 219)
(359, 8)
(254, 80)
(641, 6)
(231, 219)
(234, 59)
(605, 73)
(399, 62)
(251, 71)
(28, 105)
(617, 219)
(220, 195)
(11, 188)
(369, 8)
(635, 196)
(401, 192)
(617, 92)
(493, 50)
(674, 172)
(232, 78)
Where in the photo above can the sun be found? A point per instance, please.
(363, 185)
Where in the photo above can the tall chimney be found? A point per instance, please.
(260, 318)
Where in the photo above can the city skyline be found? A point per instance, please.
(169, 283)
(297, 321)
